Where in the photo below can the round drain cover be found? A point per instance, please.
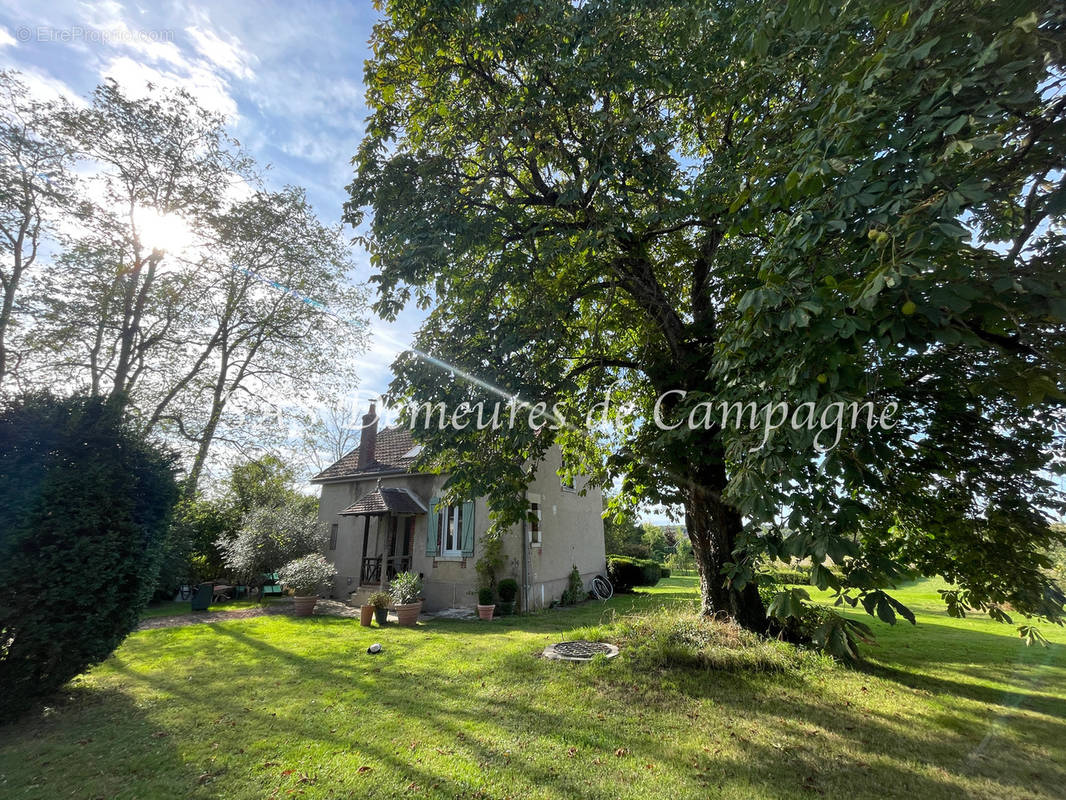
(579, 651)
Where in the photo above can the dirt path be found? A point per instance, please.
(323, 608)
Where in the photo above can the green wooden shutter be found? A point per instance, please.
(431, 527)
(468, 529)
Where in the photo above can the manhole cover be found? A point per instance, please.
(579, 651)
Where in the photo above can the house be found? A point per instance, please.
(385, 518)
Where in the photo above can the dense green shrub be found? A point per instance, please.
(626, 573)
(664, 572)
(84, 508)
(507, 589)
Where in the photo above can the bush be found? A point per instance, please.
(507, 590)
(405, 588)
(379, 600)
(305, 575)
(664, 572)
(484, 596)
(84, 508)
(575, 589)
(626, 573)
(270, 537)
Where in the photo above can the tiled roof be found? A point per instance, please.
(389, 451)
(381, 501)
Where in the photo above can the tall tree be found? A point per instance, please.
(210, 308)
(34, 187)
(614, 194)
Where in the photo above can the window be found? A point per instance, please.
(567, 484)
(333, 536)
(450, 531)
(534, 523)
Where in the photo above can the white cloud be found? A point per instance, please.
(45, 87)
(6, 39)
(210, 89)
(228, 55)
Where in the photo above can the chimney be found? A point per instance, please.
(369, 438)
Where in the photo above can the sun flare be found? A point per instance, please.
(167, 232)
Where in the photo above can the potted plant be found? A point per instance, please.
(485, 606)
(366, 614)
(304, 577)
(405, 590)
(507, 589)
(380, 602)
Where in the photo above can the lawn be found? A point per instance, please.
(176, 607)
(278, 706)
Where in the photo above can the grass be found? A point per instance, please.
(173, 608)
(277, 706)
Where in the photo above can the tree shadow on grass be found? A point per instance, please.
(776, 742)
(94, 743)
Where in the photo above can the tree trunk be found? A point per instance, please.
(713, 528)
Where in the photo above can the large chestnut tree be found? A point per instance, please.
(747, 201)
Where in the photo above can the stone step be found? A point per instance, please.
(361, 595)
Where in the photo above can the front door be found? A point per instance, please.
(400, 540)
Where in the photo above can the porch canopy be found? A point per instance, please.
(390, 505)
(386, 501)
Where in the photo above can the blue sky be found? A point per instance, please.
(288, 76)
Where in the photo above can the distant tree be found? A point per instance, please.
(622, 533)
(330, 432)
(84, 508)
(681, 558)
(654, 538)
(266, 482)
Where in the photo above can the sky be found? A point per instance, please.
(288, 77)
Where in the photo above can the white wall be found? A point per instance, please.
(572, 535)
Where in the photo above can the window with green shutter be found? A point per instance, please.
(467, 540)
(450, 530)
(433, 527)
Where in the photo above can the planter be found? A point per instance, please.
(304, 605)
(382, 615)
(407, 614)
(366, 614)
(485, 612)
(506, 607)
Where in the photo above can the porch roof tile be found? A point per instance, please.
(386, 501)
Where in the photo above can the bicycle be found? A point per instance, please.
(601, 587)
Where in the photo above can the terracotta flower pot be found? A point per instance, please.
(407, 614)
(303, 606)
(366, 614)
(485, 612)
(381, 615)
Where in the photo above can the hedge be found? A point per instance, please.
(84, 508)
(626, 573)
